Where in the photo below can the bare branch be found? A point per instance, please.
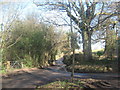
(15, 42)
(101, 21)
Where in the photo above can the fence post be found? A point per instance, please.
(8, 65)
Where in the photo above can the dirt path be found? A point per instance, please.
(31, 78)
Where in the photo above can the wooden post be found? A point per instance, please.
(22, 65)
(73, 64)
(8, 65)
(72, 47)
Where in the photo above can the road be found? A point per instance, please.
(31, 78)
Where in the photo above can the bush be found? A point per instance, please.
(2, 69)
(99, 53)
(30, 43)
(90, 66)
(68, 59)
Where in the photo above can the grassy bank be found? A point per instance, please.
(96, 65)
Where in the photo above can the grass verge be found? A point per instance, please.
(64, 84)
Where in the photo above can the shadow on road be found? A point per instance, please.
(30, 78)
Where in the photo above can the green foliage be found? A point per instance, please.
(95, 66)
(30, 43)
(110, 43)
(68, 59)
(99, 53)
(28, 61)
(90, 68)
(74, 41)
(82, 66)
(2, 69)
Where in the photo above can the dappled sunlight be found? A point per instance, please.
(60, 44)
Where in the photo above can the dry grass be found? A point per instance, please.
(64, 84)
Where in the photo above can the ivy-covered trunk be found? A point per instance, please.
(87, 51)
(110, 44)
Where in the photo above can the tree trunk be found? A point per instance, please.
(110, 46)
(86, 38)
(106, 44)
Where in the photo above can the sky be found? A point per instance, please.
(29, 8)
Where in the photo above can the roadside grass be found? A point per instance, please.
(89, 68)
(64, 84)
(77, 84)
(99, 64)
(3, 72)
(3, 69)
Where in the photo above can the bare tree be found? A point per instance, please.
(10, 13)
(86, 15)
